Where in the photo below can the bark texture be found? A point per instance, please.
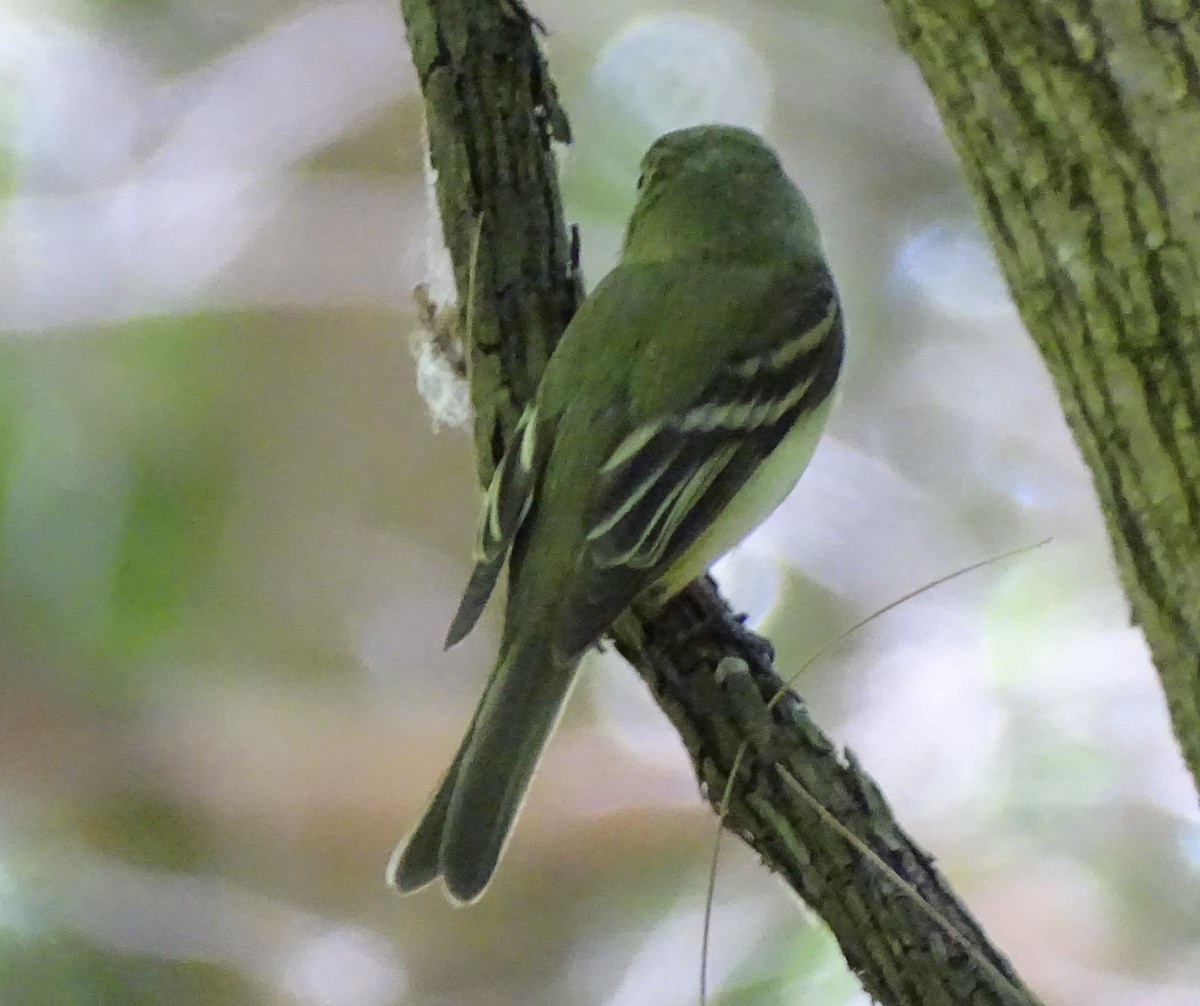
(809, 810)
(491, 111)
(1078, 123)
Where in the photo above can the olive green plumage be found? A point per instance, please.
(681, 405)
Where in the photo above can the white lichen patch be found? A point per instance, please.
(438, 344)
(437, 349)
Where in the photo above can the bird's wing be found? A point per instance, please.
(674, 471)
(505, 506)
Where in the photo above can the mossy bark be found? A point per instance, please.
(491, 112)
(1078, 123)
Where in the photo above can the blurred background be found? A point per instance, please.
(231, 539)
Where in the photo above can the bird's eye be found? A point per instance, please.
(641, 181)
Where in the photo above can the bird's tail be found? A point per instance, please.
(466, 825)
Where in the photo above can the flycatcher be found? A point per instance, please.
(680, 407)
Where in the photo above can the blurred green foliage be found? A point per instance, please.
(60, 969)
(123, 443)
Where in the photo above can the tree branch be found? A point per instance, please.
(491, 111)
(811, 813)
(1078, 125)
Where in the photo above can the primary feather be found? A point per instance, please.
(682, 403)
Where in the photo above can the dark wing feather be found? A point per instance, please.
(668, 479)
(505, 506)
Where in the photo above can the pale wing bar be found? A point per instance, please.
(666, 481)
(506, 504)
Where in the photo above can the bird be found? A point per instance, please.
(681, 405)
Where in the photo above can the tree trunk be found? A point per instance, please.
(1078, 123)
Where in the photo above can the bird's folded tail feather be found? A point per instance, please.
(466, 826)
